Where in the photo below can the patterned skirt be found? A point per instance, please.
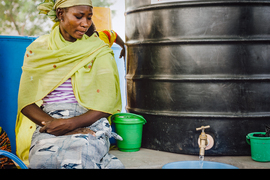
(78, 151)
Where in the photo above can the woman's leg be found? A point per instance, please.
(78, 151)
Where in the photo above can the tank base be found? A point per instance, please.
(179, 135)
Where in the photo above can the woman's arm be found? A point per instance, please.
(121, 43)
(35, 114)
(86, 119)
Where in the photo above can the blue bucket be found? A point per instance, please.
(198, 165)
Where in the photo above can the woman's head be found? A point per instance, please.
(74, 21)
(74, 17)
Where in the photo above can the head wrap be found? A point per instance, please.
(49, 7)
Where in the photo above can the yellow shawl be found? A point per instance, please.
(50, 61)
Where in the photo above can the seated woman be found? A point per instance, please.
(75, 79)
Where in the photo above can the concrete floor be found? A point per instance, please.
(151, 159)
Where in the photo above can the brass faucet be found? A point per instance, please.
(203, 139)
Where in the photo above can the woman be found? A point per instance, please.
(75, 78)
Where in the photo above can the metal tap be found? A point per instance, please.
(203, 139)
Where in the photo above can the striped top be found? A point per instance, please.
(63, 94)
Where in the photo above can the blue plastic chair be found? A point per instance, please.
(14, 158)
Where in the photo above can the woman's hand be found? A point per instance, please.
(123, 54)
(57, 127)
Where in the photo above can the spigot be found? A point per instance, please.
(202, 128)
(203, 139)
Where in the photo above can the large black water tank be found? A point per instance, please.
(194, 63)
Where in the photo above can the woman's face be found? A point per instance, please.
(75, 21)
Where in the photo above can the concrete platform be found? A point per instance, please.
(151, 159)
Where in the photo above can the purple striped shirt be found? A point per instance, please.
(63, 94)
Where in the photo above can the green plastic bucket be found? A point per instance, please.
(260, 147)
(129, 127)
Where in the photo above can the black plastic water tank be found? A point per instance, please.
(194, 63)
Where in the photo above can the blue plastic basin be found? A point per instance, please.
(198, 165)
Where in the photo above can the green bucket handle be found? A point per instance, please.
(248, 139)
(131, 114)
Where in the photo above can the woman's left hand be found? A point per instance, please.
(57, 127)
